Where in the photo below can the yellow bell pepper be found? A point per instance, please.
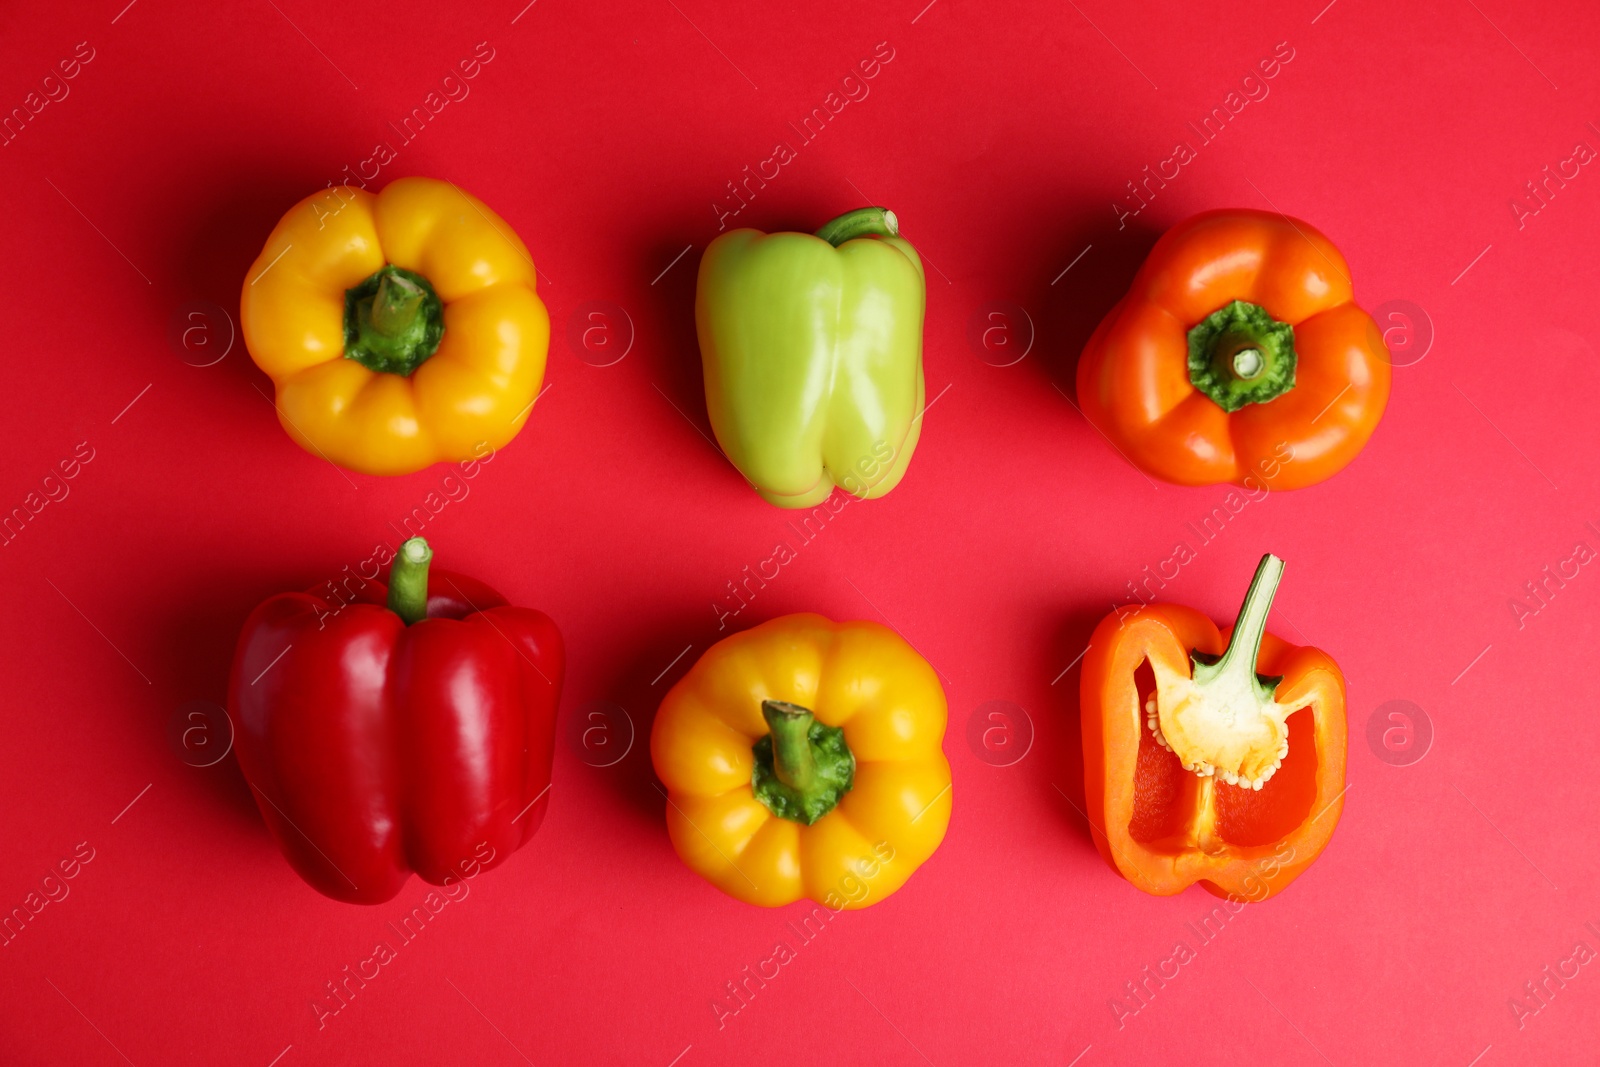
(400, 329)
(803, 758)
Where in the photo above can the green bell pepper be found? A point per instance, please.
(812, 348)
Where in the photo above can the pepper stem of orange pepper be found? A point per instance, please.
(802, 767)
(408, 581)
(862, 222)
(1239, 354)
(1244, 646)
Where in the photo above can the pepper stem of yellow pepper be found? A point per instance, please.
(803, 766)
(395, 304)
(408, 581)
(393, 321)
(862, 222)
(791, 743)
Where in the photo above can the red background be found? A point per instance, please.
(1002, 136)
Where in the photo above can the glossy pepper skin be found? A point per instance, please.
(1163, 827)
(375, 748)
(812, 350)
(400, 329)
(1238, 355)
(730, 731)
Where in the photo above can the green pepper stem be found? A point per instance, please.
(1239, 354)
(802, 767)
(393, 321)
(408, 581)
(860, 223)
(1244, 646)
(792, 759)
(396, 304)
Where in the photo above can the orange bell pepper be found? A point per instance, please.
(1238, 355)
(1207, 757)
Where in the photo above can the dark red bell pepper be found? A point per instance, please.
(412, 729)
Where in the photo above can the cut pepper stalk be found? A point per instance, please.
(393, 321)
(408, 581)
(1239, 354)
(803, 767)
(1223, 719)
(862, 222)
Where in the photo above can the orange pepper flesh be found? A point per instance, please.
(1133, 378)
(1164, 828)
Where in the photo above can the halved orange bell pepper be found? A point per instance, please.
(1238, 355)
(1207, 757)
